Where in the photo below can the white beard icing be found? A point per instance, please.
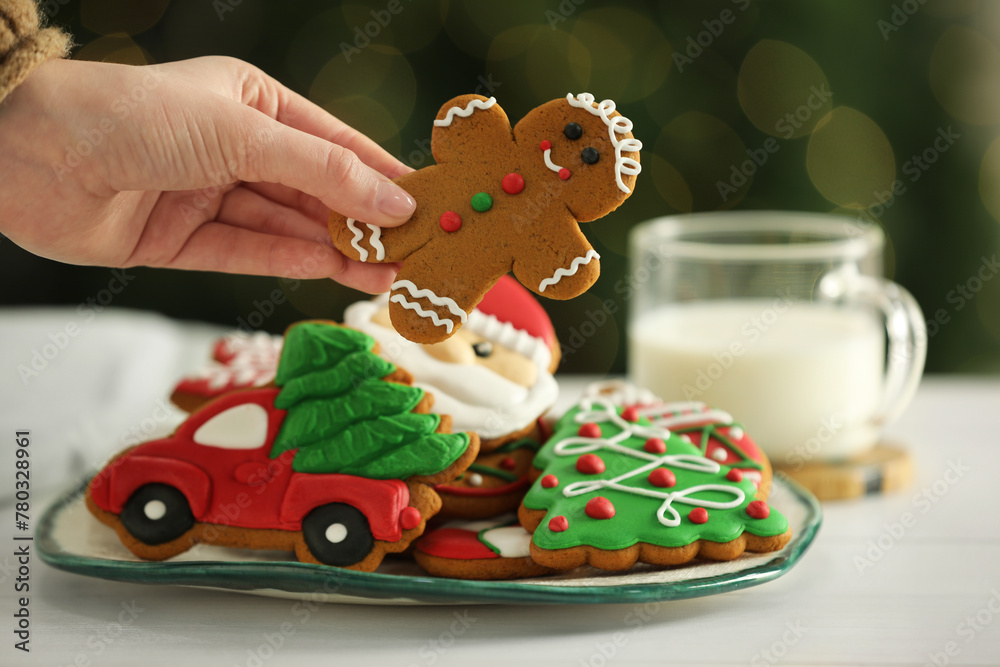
(477, 398)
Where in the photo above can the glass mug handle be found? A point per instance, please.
(905, 328)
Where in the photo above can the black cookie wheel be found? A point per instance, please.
(337, 534)
(157, 513)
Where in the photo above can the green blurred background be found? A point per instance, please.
(873, 84)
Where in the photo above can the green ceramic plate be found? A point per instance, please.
(69, 538)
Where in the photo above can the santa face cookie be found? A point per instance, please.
(615, 490)
(485, 550)
(336, 463)
(499, 200)
(494, 377)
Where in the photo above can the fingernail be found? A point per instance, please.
(393, 200)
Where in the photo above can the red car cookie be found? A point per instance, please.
(337, 463)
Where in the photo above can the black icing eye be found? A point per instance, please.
(483, 349)
(573, 131)
(590, 155)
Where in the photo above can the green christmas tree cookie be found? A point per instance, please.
(615, 491)
(345, 417)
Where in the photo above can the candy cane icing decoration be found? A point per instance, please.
(464, 112)
(374, 240)
(259, 349)
(617, 125)
(418, 293)
(712, 416)
(667, 514)
(623, 393)
(573, 268)
(217, 376)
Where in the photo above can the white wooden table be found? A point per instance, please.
(907, 579)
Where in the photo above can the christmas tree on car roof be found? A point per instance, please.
(352, 412)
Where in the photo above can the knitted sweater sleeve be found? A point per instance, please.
(24, 44)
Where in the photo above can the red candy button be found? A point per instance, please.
(451, 221)
(512, 183)
(589, 430)
(546, 145)
(758, 509)
(662, 478)
(409, 518)
(507, 463)
(550, 481)
(698, 515)
(655, 446)
(600, 508)
(590, 464)
(734, 475)
(558, 524)
(631, 414)
(564, 173)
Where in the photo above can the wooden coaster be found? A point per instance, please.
(886, 467)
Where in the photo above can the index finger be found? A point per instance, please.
(296, 111)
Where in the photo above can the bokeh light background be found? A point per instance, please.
(838, 100)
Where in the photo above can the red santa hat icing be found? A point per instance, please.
(511, 303)
(511, 316)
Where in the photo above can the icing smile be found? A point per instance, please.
(546, 147)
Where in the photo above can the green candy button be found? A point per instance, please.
(482, 202)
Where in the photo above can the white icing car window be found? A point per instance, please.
(240, 427)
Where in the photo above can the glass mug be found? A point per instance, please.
(783, 320)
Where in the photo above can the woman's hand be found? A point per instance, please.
(205, 164)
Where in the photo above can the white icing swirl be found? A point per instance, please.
(667, 514)
(358, 235)
(617, 125)
(418, 293)
(374, 240)
(573, 268)
(668, 418)
(464, 112)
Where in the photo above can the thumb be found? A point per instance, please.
(266, 150)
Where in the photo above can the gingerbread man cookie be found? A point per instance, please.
(499, 200)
